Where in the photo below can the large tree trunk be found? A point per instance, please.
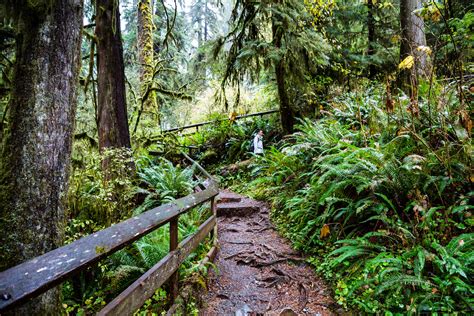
(113, 122)
(371, 37)
(413, 35)
(112, 109)
(286, 115)
(145, 58)
(36, 153)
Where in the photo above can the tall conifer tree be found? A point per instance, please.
(37, 149)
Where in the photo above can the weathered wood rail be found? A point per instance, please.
(31, 278)
(197, 125)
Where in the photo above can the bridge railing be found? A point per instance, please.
(31, 278)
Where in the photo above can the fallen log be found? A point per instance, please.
(226, 170)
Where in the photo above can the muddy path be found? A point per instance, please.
(257, 271)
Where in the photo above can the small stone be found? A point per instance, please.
(243, 311)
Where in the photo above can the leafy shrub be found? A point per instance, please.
(100, 197)
(228, 141)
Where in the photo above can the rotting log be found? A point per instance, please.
(235, 167)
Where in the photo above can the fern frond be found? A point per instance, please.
(400, 281)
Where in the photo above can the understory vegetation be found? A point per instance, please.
(93, 198)
(96, 201)
(381, 200)
(227, 141)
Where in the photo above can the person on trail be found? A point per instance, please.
(258, 143)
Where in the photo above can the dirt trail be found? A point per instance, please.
(258, 272)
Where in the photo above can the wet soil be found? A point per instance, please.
(258, 273)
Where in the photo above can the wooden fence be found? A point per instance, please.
(31, 278)
(197, 125)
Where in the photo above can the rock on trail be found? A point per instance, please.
(258, 273)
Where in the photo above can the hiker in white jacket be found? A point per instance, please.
(258, 143)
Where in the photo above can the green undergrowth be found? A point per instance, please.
(93, 198)
(381, 201)
(228, 141)
(140, 182)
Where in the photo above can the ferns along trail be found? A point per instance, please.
(115, 114)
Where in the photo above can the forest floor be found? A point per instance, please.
(257, 272)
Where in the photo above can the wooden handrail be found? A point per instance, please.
(197, 125)
(200, 168)
(33, 277)
(133, 297)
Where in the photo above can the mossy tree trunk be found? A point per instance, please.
(145, 57)
(112, 108)
(114, 135)
(36, 152)
(286, 114)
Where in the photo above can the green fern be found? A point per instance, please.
(397, 281)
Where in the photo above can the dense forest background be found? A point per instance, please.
(368, 162)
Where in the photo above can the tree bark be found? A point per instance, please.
(286, 114)
(371, 37)
(413, 35)
(145, 54)
(113, 122)
(36, 153)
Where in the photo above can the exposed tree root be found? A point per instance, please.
(303, 299)
(239, 242)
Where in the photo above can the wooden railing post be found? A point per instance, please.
(214, 212)
(173, 245)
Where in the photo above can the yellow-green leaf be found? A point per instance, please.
(407, 63)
